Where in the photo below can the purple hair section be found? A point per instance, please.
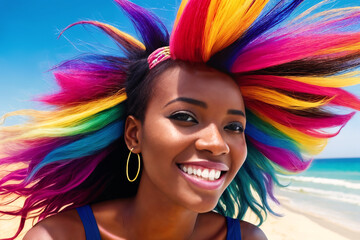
(64, 180)
(33, 156)
(269, 184)
(59, 191)
(152, 30)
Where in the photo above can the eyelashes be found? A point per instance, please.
(188, 118)
(235, 127)
(184, 117)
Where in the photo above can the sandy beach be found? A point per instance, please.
(296, 225)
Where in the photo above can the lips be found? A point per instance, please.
(205, 174)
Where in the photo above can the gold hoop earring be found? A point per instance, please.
(127, 166)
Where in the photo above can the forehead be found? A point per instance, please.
(199, 82)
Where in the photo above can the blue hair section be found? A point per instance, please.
(266, 134)
(256, 175)
(86, 146)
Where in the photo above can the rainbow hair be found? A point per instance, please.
(289, 69)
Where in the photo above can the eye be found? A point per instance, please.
(235, 127)
(183, 116)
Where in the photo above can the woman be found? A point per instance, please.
(147, 145)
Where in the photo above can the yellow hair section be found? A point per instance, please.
(354, 47)
(180, 11)
(47, 123)
(128, 37)
(344, 80)
(278, 99)
(308, 144)
(220, 30)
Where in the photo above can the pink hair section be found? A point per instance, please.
(284, 158)
(285, 49)
(314, 127)
(53, 197)
(94, 81)
(301, 40)
(31, 150)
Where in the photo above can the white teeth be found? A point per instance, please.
(198, 172)
(212, 175)
(217, 174)
(206, 174)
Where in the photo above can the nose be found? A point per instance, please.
(212, 141)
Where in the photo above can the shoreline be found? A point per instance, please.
(341, 230)
(295, 225)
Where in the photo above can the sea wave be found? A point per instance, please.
(334, 195)
(327, 181)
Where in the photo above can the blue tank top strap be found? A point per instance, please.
(233, 229)
(88, 219)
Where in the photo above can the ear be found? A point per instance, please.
(132, 134)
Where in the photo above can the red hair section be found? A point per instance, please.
(186, 42)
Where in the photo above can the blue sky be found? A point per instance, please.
(29, 48)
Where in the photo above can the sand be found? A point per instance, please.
(296, 225)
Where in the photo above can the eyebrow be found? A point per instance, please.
(203, 105)
(236, 112)
(188, 100)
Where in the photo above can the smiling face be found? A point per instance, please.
(192, 139)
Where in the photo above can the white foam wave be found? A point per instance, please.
(337, 196)
(327, 181)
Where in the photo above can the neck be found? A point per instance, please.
(157, 216)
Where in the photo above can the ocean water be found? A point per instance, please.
(329, 189)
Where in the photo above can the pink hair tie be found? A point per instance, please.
(158, 56)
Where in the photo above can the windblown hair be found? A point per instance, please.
(290, 70)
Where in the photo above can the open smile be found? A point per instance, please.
(205, 178)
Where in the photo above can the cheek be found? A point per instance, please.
(161, 140)
(239, 155)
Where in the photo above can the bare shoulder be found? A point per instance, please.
(64, 225)
(38, 232)
(251, 232)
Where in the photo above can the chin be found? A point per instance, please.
(203, 205)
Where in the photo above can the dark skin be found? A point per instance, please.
(201, 124)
